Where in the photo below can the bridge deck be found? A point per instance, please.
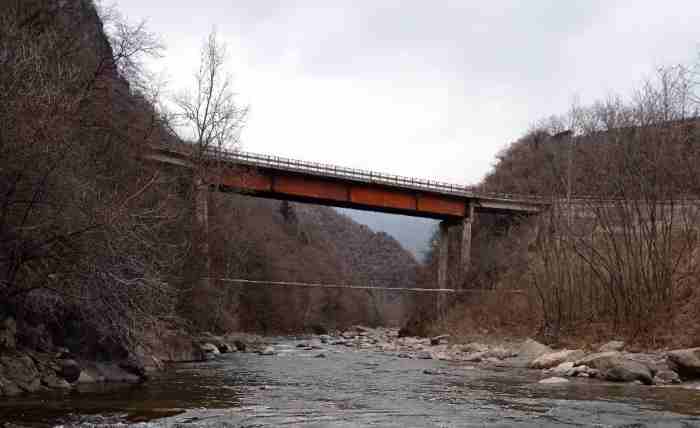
(285, 178)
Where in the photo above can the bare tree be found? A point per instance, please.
(209, 113)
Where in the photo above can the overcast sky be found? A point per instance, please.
(432, 89)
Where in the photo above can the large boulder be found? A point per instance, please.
(553, 359)
(614, 367)
(69, 370)
(532, 349)
(626, 370)
(685, 362)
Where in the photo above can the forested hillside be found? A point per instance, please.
(616, 255)
(99, 247)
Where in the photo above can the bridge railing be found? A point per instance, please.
(279, 162)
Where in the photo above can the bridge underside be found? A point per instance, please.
(290, 186)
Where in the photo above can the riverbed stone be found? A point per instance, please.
(592, 359)
(553, 380)
(474, 347)
(54, 382)
(685, 362)
(563, 369)
(666, 376)
(613, 345)
(553, 359)
(424, 355)
(614, 367)
(439, 340)
(69, 370)
(86, 378)
(268, 351)
(532, 349)
(626, 370)
(19, 369)
(209, 349)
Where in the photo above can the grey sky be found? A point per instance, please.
(423, 88)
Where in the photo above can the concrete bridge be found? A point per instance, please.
(322, 184)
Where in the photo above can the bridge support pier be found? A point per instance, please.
(455, 250)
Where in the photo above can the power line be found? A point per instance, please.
(359, 287)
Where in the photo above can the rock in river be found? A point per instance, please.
(69, 370)
(533, 349)
(553, 381)
(553, 359)
(685, 362)
(614, 345)
(268, 350)
(614, 367)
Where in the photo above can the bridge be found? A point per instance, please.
(331, 185)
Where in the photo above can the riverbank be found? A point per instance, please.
(358, 377)
(49, 367)
(29, 371)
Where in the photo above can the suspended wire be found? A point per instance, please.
(359, 287)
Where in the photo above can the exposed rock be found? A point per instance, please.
(111, 372)
(474, 347)
(209, 350)
(533, 349)
(424, 355)
(321, 355)
(592, 359)
(666, 377)
(553, 381)
(53, 381)
(405, 355)
(325, 338)
(319, 329)
(501, 353)
(8, 334)
(86, 378)
(685, 362)
(553, 359)
(35, 337)
(18, 370)
(268, 350)
(9, 388)
(135, 367)
(434, 372)
(614, 345)
(69, 370)
(240, 345)
(225, 348)
(437, 340)
(626, 370)
(614, 367)
(563, 369)
(475, 357)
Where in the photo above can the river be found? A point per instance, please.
(355, 388)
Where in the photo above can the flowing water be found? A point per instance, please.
(352, 388)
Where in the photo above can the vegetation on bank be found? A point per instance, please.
(618, 255)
